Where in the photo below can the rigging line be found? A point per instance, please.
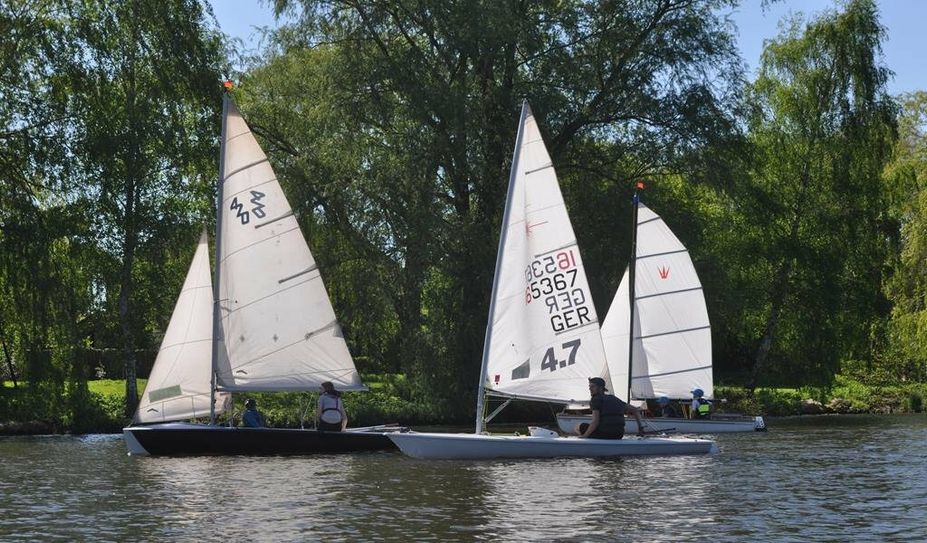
(667, 293)
(657, 218)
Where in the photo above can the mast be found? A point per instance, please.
(216, 331)
(631, 273)
(525, 111)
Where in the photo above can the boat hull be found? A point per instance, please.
(179, 439)
(474, 446)
(568, 424)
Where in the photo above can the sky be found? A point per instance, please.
(904, 20)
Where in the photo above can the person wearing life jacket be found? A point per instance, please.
(607, 414)
(701, 408)
(330, 415)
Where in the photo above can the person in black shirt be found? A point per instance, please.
(607, 414)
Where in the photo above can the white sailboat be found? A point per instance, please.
(271, 325)
(542, 339)
(671, 352)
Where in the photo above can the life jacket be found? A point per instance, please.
(704, 407)
(330, 414)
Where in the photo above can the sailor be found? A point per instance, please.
(701, 408)
(330, 413)
(252, 418)
(607, 414)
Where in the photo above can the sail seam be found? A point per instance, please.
(571, 244)
(648, 220)
(231, 196)
(258, 242)
(671, 372)
(708, 327)
(664, 254)
(262, 298)
(185, 342)
(667, 293)
(590, 323)
(243, 168)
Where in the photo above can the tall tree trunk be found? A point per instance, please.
(130, 235)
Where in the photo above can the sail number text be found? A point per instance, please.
(552, 278)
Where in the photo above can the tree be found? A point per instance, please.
(812, 214)
(417, 121)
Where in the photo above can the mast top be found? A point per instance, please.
(228, 85)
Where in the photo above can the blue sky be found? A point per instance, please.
(904, 19)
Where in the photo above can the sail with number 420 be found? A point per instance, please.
(279, 327)
(542, 339)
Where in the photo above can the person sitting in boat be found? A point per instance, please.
(665, 408)
(252, 418)
(607, 414)
(701, 408)
(330, 415)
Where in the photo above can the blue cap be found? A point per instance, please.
(698, 393)
(662, 400)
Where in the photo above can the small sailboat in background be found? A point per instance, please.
(267, 326)
(671, 352)
(542, 340)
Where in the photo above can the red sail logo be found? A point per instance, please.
(664, 272)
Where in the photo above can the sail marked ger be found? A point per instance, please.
(543, 339)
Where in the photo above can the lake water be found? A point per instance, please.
(834, 478)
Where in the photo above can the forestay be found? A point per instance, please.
(672, 334)
(543, 340)
(278, 324)
(179, 385)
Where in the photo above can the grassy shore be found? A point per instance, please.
(99, 406)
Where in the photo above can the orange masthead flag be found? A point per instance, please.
(640, 185)
(228, 85)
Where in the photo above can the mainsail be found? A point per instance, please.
(542, 341)
(179, 385)
(672, 335)
(278, 324)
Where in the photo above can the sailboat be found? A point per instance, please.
(671, 353)
(542, 339)
(265, 325)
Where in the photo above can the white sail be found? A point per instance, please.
(278, 324)
(543, 341)
(672, 334)
(179, 384)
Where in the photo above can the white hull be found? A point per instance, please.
(568, 424)
(475, 446)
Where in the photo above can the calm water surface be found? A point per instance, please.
(807, 479)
